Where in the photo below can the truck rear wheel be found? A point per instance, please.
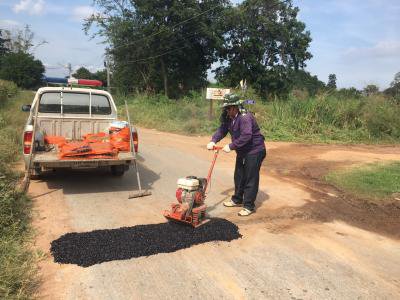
(118, 170)
(36, 173)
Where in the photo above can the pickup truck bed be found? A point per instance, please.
(51, 160)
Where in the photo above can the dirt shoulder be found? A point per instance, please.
(305, 166)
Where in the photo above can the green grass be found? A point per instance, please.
(323, 119)
(17, 259)
(373, 181)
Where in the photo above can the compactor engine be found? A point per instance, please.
(191, 194)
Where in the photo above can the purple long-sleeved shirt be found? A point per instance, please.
(245, 133)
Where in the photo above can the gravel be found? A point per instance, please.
(89, 248)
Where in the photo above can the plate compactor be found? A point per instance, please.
(191, 194)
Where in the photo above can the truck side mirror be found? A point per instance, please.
(26, 107)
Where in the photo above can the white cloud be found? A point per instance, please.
(33, 7)
(382, 49)
(38, 7)
(9, 24)
(80, 13)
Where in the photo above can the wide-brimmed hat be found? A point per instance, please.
(231, 100)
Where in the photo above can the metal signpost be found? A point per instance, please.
(215, 94)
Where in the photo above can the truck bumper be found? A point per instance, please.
(51, 161)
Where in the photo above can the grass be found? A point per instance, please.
(17, 259)
(322, 119)
(373, 181)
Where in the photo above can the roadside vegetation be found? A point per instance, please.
(324, 118)
(372, 181)
(17, 259)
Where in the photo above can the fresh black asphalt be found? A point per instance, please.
(89, 248)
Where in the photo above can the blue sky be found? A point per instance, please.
(358, 40)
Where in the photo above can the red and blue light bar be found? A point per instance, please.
(87, 82)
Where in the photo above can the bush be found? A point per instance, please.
(324, 118)
(382, 118)
(17, 260)
(7, 90)
(23, 69)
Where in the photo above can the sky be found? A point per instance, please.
(358, 40)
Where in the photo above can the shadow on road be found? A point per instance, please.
(98, 180)
(227, 194)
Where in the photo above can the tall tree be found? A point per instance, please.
(21, 40)
(265, 43)
(394, 89)
(396, 80)
(331, 85)
(160, 45)
(22, 68)
(3, 44)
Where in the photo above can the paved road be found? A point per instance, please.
(278, 258)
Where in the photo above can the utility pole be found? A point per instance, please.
(107, 65)
(69, 67)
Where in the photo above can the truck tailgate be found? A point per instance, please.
(51, 160)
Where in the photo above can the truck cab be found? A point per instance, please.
(71, 113)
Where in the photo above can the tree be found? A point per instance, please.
(21, 40)
(370, 90)
(264, 43)
(394, 89)
(153, 45)
(23, 69)
(303, 80)
(3, 44)
(331, 85)
(396, 80)
(348, 93)
(83, 73)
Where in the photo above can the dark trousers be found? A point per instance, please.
(247, 178)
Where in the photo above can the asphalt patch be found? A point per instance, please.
(89, 248)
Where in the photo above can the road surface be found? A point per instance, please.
(306, 241)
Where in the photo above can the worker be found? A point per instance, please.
(248, 142)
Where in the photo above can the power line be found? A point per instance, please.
(184, 39)
(165, 29)
(156, 56)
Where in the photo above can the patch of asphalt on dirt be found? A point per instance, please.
(98, 246)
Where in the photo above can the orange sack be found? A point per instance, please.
(88, 150)
(55, 140)
(120, 138)
(75, 149)
(96, 137)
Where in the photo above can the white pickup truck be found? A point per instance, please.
(72, 113)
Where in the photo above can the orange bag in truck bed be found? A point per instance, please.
(55, 140)
(120, 138)
(88, 150)
(96, 137)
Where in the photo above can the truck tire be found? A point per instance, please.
(118, 170)
(36, 173)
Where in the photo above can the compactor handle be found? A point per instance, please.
(216, 151)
